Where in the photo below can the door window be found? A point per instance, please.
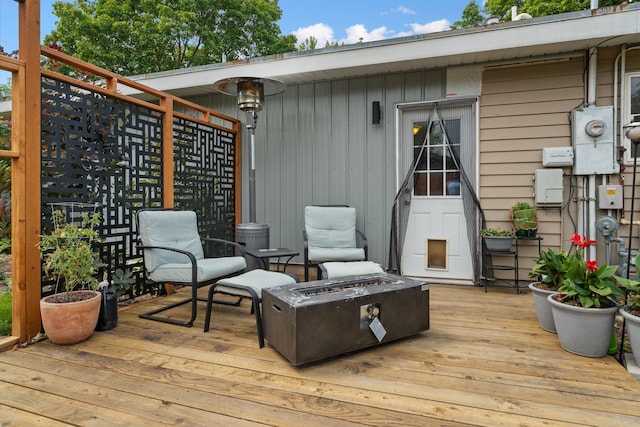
(437, 172)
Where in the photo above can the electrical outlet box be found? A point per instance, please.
(610, 197)
(553, 157)
(548, 187)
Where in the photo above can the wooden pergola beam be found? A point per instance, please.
(26, 149)
(26, 181)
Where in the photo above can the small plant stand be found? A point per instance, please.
(502, 265)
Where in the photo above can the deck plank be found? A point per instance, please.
(484, 361)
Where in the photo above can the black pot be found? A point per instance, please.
(108, 318)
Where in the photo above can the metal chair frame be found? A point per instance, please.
(195, 285)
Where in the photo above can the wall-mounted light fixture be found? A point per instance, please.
(632, 130)
(375, 112)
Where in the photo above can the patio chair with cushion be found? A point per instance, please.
(330, 235)
(174, 254)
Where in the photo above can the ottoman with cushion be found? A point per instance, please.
(333, 270)
(247, 285)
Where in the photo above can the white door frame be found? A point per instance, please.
(400, 173)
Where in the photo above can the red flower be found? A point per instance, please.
(581, 241)
(592, 265)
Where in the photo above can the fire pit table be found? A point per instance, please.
(311, 321)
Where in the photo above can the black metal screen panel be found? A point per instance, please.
(102, 150)
(204, 176)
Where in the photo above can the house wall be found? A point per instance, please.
(524, 108)
(315, 144)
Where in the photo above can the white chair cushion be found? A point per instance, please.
(317, 255)
(334, 270)
(255, 279)
(176, 229)
(330, 227)
(207, 269)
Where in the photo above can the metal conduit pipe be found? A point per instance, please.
(591, 195)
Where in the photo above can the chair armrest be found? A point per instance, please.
(305, 240)
(192, 258)
(237, 245)
(365, 243)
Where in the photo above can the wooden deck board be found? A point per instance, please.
(484, 361)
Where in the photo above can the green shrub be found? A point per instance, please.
(5, 313)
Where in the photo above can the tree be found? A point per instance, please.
(502, 8)
(310, 43)
(142, 36)
(546, 7)
(536, 8)
(471, 16)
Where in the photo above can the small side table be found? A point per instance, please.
(263, 255)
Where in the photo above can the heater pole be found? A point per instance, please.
(252, 118)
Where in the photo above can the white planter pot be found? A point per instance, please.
(543, 307)
(633, 330)
(583, 331)
(498, 244)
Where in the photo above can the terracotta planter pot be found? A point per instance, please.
(68, 323)
(633, 330)
(543, 307)
(583, 331)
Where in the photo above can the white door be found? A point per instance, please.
(436, 244)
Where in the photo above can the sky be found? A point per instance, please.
(342, 21)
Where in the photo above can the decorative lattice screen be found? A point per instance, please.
(100, 149)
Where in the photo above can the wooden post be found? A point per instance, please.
(26, 273)
(167, 153)
(167, 164)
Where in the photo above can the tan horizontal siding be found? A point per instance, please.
(529, 108)
(522, 110)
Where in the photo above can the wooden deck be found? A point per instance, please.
(484, 362)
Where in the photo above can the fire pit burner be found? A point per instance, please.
(339, 287)
(307, 322)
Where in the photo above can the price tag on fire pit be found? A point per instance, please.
(378, 330)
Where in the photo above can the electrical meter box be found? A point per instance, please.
(592, 134)
(548, 187)
(610, 197)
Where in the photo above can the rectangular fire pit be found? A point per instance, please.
(311, 321)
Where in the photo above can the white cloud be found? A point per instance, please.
(431, 27)
(403, 10)
(358, 33)
(322, 32)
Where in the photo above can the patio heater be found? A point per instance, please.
(251, 92)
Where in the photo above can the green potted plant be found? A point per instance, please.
(524, 219)
(631, 311)
(585, 306)
(549, 271)
(497, 239)
(70, 316)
